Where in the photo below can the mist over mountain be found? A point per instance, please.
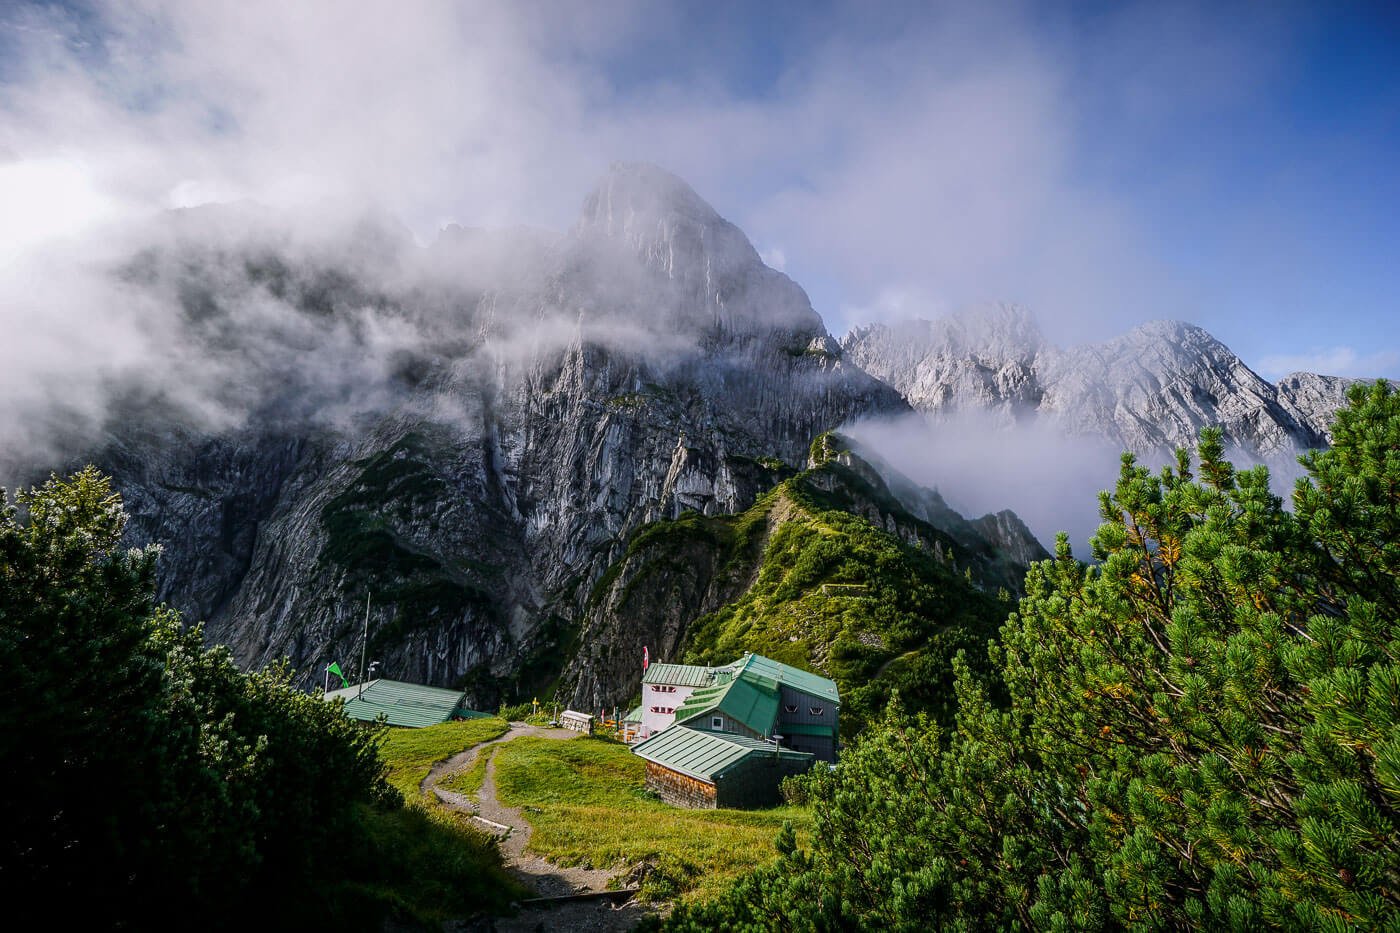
(1008, 419)
(1150, 389)
(461, 433)
(464, 434)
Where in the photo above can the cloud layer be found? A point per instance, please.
(896, 162)
(899, 162)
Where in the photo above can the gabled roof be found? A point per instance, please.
(633, 715)
(789, 676)
(403, 704)
(747, 698)
(703, 755)
(680, 675)
(754, 665)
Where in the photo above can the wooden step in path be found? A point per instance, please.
(621, 894)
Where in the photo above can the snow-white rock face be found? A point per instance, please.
(464, 434)
(1313, 398)
(1149, 390)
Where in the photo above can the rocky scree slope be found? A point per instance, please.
(1147, 391)
(463, 434)
(829, 571)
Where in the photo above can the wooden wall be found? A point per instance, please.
(680, 790)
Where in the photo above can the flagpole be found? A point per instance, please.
(364, 648)
(327, 687)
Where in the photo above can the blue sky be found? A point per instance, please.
(1252, 148)
(1101, 163)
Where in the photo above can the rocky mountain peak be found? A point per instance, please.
(633, 192)
(982, 358)
(701, 261)
(1147, 390)
(996, 331)
(471, 434)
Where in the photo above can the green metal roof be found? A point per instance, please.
(748, 698)
(786, 674)
(633, 715)
(403, 704)
(681, 675)
(752, 665)
(703, 755)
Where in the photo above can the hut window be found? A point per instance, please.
(663, 689)
(790, 709)
(816, 710)
(717, 722)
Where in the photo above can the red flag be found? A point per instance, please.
(646, 658)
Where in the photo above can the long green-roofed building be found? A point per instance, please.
(753, 696)
(692, 713)
(403, 704)
(697, 768)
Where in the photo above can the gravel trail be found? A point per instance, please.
(537, 874)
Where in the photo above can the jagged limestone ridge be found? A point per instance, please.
(1147, 391)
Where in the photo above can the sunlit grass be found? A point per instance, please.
(586, 800)
(424, 861)
(469, 781)
(411, 753)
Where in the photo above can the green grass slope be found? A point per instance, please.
(411, 753)
(586, 802)
(826, 572)
(835, 594)
(424, 862)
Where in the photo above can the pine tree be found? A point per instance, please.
(146, 780)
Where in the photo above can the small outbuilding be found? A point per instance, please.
(695, 768)
(403, 704)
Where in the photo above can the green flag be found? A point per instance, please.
(334, 668)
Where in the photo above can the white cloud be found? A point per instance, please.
(47, 198)
(913, 167)
(1047, 477)
(933, 159)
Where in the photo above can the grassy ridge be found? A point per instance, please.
(836, 594)
(411, 753)
(814, 583)
(586, 802)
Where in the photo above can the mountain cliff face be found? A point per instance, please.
(1151, 389)
(464, 434)
(458, 441)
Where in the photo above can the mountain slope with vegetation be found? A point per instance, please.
(827, 572)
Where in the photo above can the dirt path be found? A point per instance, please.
(537, 874)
